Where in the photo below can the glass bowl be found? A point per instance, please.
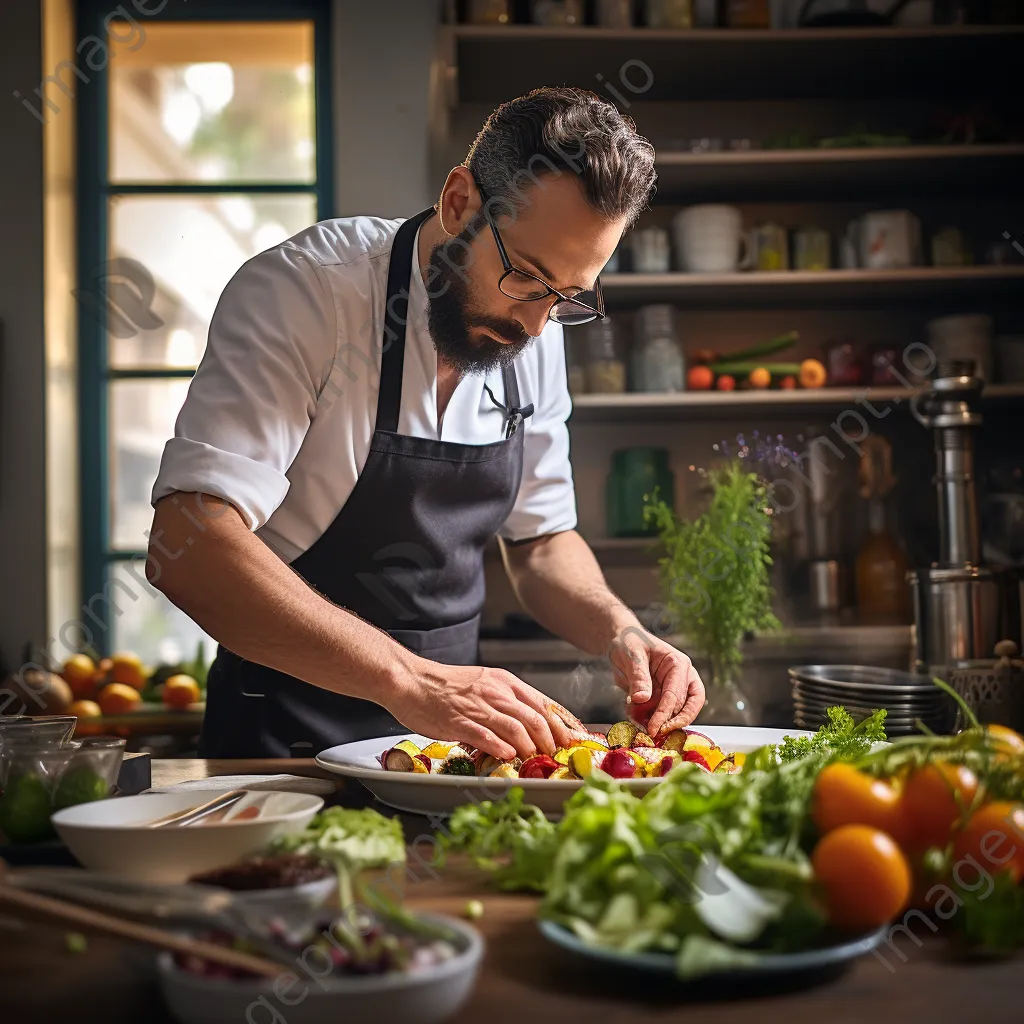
(91, 773)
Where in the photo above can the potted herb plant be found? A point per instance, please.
(715, 573)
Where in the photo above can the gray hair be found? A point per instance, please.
(552, 130)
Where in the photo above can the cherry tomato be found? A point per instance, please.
(994, 837)
(865, 877)
(726, 382)
(845, 796)
(540, 766)
(699, 378)
(934, 800)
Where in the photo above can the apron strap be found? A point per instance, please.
(514, 412)
(396, 316)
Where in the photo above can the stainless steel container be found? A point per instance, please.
(962, 613)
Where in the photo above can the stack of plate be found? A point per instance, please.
(862, 689)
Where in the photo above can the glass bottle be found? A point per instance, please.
(489, 12)
(659, 362)
(615, 13)
(606, 370)
(557, 12)
(669, 13)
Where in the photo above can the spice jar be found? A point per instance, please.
(606, 370)
(658, 361)
(669, 13)
(575, 364)
(489, 12)
(844, 368)
(651, 251)
(557, 12)
(615, 13)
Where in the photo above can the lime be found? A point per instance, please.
(25, 810)
(79, 786)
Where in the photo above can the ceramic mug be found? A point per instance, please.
(887, 239)
(710, 239)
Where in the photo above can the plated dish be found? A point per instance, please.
(430, 792)
(625, 751)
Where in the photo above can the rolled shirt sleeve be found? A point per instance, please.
(547, 500)
(272, 342)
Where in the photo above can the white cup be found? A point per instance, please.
(888, 239)
(710, 239)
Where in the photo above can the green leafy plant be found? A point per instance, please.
(715, 573)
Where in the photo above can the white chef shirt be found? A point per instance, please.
(280, 413)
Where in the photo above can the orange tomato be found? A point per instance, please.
(127, 669)
(812, 374)
(78, 673)
(994, 837)
(844, 796)
(118, 698)
(759, 378)
(934, 800)
(1006, 740)
(699, 378)
(180, 691)
(864, 876)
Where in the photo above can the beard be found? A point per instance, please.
(451, 317)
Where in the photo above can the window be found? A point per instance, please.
(203, 140)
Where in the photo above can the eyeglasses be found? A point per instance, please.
(570, 311)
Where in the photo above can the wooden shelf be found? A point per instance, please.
(486, 64)
(821, 173)
(778, 404)
(818, 288)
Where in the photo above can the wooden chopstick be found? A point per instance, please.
(228, 799)
(96, 921)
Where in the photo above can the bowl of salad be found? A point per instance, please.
(388, 967)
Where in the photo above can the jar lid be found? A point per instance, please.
(656, 321)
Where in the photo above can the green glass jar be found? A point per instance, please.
(635, 475)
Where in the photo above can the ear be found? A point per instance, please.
(460, 200)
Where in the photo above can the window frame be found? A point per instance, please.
(95, 189)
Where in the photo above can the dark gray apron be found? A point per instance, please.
(405, 553)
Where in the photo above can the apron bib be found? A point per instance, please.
(405, 553)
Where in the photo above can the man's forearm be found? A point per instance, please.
(558, 581)
(206, 560)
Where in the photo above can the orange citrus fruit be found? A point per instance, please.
(78, 673)
(118, 699)
(180, 691)
(128, 669)
(83, 710)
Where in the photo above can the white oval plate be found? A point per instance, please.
(441, 794)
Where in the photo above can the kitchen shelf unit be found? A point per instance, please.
(814, 288)
(485, 64)
(819, 173)
(631, 406)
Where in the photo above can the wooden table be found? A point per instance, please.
(523, 979)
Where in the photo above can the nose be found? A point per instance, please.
(533, 316)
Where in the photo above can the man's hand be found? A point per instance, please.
(487, 707)
(663, 689)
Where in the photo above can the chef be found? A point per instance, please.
(378, 400)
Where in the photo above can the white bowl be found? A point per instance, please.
(110, 835)
(426, 997)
